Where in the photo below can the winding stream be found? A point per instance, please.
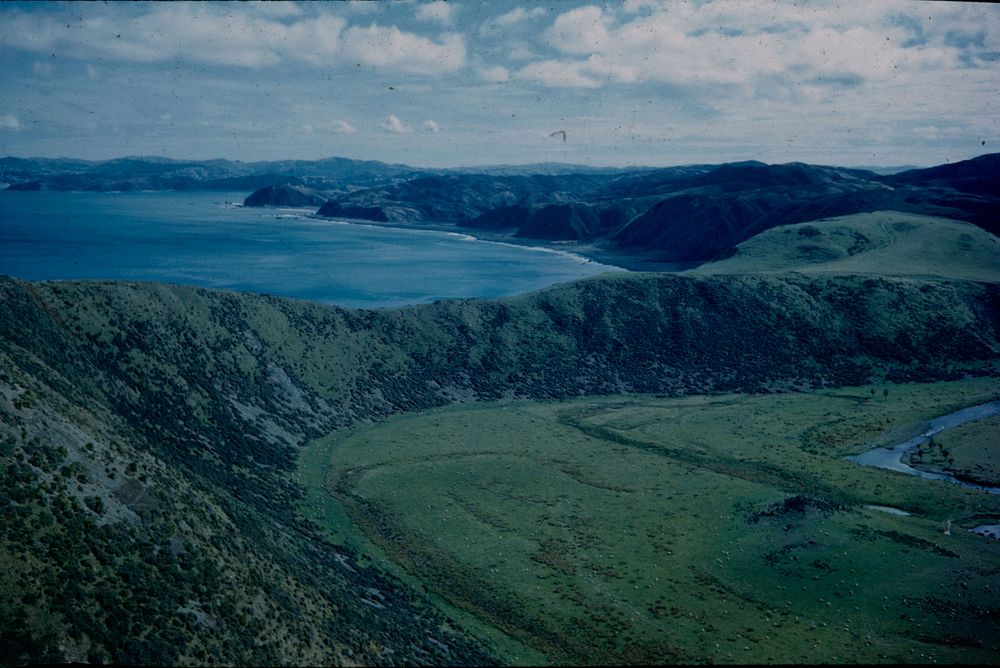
(891, 458)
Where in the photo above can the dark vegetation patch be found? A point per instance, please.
(866, 533)
(796, 508)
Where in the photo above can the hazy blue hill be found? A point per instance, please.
(558, 222)
(501, 218)
(685, 213)
(286, 195)
(458, 198)
(745, 176)
(979, 175)
(653, 182)
(154, 173)
(689, 213)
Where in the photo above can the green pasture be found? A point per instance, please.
(639, 529)
(886, 243)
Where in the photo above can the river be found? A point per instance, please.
(891, 458)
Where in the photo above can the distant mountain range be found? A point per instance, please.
(691, 213)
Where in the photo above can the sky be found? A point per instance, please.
(461, 83)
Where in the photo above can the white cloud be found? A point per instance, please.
(390, 47)
(432, 125)
(515, 16)
(520, 51)
(396, 126)
(559, 73)
(438, 12)
(9, 122)
(225, 34)
(275, 8)
(231, 34)
(166, 118)
(93, 73)
(723, 42)
(335, 125)
(343, 128)
(497, 74)
(636, 6)
(581, 31)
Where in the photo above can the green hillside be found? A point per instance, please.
(881, 243)
(149, 437)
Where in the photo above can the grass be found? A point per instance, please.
(886, 243)
(971, 451)
(723, 528)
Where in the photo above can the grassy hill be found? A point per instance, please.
(149, 436)
(881, 243)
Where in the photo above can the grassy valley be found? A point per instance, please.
(708, 529)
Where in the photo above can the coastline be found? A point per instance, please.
(590, 252)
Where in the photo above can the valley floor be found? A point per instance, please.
(724, 528)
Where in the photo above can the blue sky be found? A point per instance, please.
(450, 84)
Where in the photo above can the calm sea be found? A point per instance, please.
(207, 239)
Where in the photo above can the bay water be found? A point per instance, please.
(208, 239)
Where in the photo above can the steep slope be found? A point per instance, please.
(149, 515)
(558, 222)
(149, 435)
(458, 198)
(286, 195)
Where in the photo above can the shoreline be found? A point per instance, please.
(617, 259)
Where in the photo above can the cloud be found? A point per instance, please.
(396, 126)
(231, 34)
(336, 126)
(9, 122)
(271, 8)
(520, 51)
(497, 74)
(166, 119)
(581, 31)
(389, 47)
(438, 12)
(498, 24)
(558, 73)
(93, 73)
(432, 125)
(42, 69)
(343, 128)
(223, 34)
(722, 42)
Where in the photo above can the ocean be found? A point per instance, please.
(208, 239)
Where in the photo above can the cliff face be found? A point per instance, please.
(149, 435)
